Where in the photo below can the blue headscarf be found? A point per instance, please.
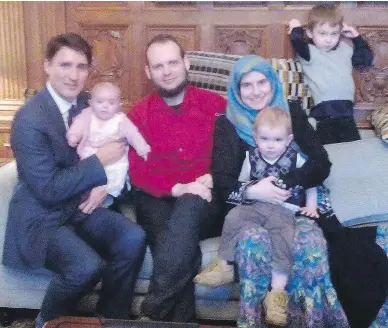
(240, 115)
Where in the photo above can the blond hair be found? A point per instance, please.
(273, 117)
(108, 85)
(324, 13)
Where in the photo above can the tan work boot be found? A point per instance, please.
(216, 274)
(275, 307)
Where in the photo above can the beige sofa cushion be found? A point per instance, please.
(358, 181)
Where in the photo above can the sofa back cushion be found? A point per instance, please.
(358, 181)
(380, 122)
(210, 71)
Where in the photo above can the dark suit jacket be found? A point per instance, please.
(51, 180)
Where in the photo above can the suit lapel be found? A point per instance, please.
(54, 113)
(64, 153)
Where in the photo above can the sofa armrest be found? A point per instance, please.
(8, 180)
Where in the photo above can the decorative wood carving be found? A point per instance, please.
(373, 83)
(119, 31)
(240, 40)
(187, 35)
(108, 53)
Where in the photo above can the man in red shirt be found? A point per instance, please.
(173, 189)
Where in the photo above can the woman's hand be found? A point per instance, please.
(267, 191)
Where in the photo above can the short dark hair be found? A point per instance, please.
(70, 40)
(163, 38)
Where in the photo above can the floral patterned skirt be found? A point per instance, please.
(313, 299)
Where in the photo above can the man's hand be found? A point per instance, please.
(144, 152)
(96, 197)
(292, 24)
(206, 180)
(111, 152)
(349, 31)
(194, 188)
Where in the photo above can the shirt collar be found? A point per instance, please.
(63, 105)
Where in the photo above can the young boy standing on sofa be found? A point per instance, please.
(327, 61)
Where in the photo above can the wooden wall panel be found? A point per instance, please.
(242, 40)
(111, 59)
(186, 35)
(120, 30)
(13, 74)
(43, 20)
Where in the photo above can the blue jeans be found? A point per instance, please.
(103, 245)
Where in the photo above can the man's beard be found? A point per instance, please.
(170, 93)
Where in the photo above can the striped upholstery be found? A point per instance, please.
(380, 122)
(210, 71)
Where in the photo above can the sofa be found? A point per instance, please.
(25, 289)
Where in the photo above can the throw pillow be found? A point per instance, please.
(358, 181)
(380, 122)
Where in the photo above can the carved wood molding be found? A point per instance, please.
(109, 50)
(187, 36)
(240, 40)
(373, 83)
(8, 107)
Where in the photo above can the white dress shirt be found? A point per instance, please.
(63, 105)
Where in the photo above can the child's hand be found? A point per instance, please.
(292, 24)
(72, 140)
(206, 180)
(349, 31)
(144, 152)
(72, 143)
(311, 212)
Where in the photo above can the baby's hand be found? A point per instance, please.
(72, 144)
(349, 31)
(311, 212)
(292, 24)
(72, 141)
(206, 180)
(144, 152)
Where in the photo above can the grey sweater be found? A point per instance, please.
(329, 73)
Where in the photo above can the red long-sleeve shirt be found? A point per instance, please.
(181, 140)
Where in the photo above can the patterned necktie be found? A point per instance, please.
(72, 113)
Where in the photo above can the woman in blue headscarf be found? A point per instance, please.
(254, 85)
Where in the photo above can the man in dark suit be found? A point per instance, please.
(55, 219)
